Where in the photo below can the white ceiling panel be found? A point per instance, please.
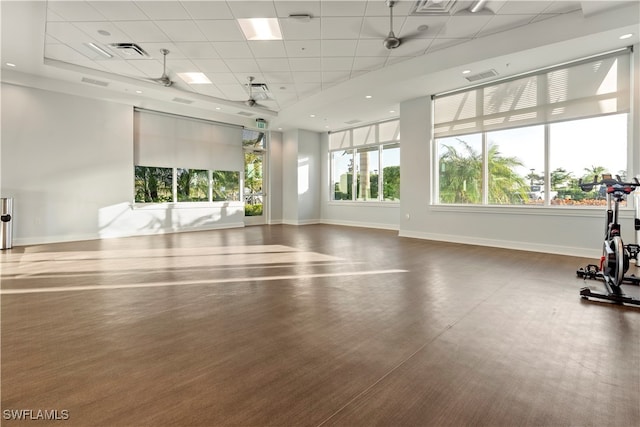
(267, 49)
(153, 49)
(343, 8)
(96, 29)
(296, 29)
(464, 26)
(221, 30)
(182, 31)
(76, 11)
(118, 10)
(341, 28)
(280, 78)
(504, 23)
(302, 48)
(371, 47)
(243, 65)
(305, 64)
(337, 63)
(207, 9)
(252, 9)
(211, 65)
(66, 32)
(339, 47)
(233, 49)
(307, 77)
(286, 8)
(141, 31)
(366, 63)
(274, 64)
(523, 7)
(197, 50)
(376, 28)
(223, 78)
(159, 10)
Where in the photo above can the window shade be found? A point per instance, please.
(166, 140)
(365, 135)
(587, 88)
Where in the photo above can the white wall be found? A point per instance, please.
(68, 163)
(301, 177)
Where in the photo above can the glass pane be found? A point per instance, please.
(192, 185)
(582, 149)
(253, 139)
(516, 162)
(153, 184)
(460, 169)
(226, 186)
(368, 164)
(342, 175)
(391, 172)
(253, 202)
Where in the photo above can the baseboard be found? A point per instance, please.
(43, 240)
(362, 224)
(504, 244)
(303, 222)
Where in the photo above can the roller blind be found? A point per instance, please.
(586, 88)
(378, 133)
(166, 140)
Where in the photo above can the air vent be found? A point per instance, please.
(182, 100)
(352, 122)
(129, 50)
(95, 82)
(244, 113)
(433, 7)
(260, 92)
(482, 75)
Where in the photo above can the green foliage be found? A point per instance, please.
(153, 184)
(253, 210)
(391, 183)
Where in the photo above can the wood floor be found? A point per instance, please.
(309, 326)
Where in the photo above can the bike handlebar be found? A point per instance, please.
(612, 184)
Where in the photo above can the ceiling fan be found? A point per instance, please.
(392, 41)
(164, 80)
(251, 102)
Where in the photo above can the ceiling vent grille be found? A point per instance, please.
(482, 75)
(94, 82)
(129, 50)
(260, 92)
(433, 7)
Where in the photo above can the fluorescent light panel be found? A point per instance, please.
(100, 50)
(261, 28)
(195, 78)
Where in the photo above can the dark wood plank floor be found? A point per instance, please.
(309, 326)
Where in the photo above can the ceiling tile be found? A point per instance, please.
(180, 65)
(76, 11)
(267, 49)
(563, 7)
(117, 10)
(341, 28)
(182, 31)
(335, 76)
(337, 63)
(286, 8)
(54, 17)
(243, 65)
(141, 31)
(148, 67)
(442, 43)
(280, 78)
(501, 23)
(411, 47)
(434, 25)
(339, 47)
(305, 64)
(153, 49)
(211, 65)
(464, 26)
(221, 30)
(158, 10)
(92, 28)
(378, 28)
(343, 8)
(380, 8)
(198, 49)
(63, 52)
(66, 32)
(307, 76)
(208, 9)
(274, 64)
(222, 78)
(523, 7)
(367, 63)
(208, 90)
(303, 48)
(233, 49)
(296, 29)
(121, 67)
(252, 9)
(371, 47)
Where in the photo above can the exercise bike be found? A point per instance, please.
(614, 262)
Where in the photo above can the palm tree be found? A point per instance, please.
(504, 182)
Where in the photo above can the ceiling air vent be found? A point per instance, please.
(433, 7)
(482, 75)
(260, 92)
(94, 82)
(182, 100)
(129, 50)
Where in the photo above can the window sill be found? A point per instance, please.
(185, 205)
(361, 203)
(573, 211)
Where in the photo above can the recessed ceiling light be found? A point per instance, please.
(217, 108)
(368, 96)
(312, 115)
(138, 91)
(392, 111)
(261, 28)
(10, 64)
(195, 78)
(626, 36)
(466, 71)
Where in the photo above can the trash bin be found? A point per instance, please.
(6, 215)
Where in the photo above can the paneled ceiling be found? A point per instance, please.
(325, 44)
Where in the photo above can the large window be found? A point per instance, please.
(529, 140)
(365, 163)
(182, 159)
